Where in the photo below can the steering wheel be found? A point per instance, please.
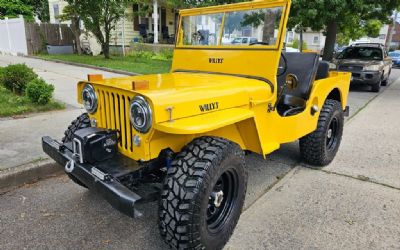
(282, 69)
(259, 43)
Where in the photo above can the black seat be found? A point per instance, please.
(323, 70)
(304, 66)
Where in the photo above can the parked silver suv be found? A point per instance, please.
(369, 64)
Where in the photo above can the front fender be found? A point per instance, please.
(206, 122)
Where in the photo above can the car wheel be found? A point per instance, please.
(385, 82)
(80, 122)
(203, 194)
(377, 86)
(320, 147)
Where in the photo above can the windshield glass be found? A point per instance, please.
(247, 27)
(394, 54)
(363, 53)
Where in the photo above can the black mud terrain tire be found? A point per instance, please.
(203, 194)
(80, 122)
(320, 147)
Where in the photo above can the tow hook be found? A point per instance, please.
(69, 166)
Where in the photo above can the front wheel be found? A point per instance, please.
(320, 147)
(377, 86)
(386, 81)
(203, 194)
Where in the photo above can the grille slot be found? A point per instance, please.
(351, 67)
(114, 114)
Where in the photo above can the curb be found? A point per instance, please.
(117, 71)
(28, 173)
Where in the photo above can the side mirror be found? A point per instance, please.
(291, 81)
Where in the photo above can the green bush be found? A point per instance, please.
(39, 91)
(296, 43)
(15, 77)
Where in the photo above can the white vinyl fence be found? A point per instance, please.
(13, 37)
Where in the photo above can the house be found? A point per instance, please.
(133, 27)
(315, 40)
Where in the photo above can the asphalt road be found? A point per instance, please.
(57, 214)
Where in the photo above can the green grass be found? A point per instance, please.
(12, 104)
(127, 63)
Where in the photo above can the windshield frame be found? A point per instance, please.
(224, 9)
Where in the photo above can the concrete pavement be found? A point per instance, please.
(354, 203)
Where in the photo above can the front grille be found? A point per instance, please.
(113, 111)
(351, 67)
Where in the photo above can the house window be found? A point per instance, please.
(316, 40)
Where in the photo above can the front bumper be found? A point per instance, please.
(365, 77)
(102, 178)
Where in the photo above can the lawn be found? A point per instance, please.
(12, 104)
(127, 63)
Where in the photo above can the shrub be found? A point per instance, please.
(15, 77)
(39, 91)
(296, 43)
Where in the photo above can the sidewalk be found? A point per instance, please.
(351, 204)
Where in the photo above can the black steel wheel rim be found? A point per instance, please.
(332, 134)
(218, 214)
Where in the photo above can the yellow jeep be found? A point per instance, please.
(180, 137)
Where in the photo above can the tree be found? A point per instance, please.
(40, 8)
(351, 18)
(14, 8)
(70, 13)
(100, 18)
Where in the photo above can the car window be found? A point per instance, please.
(363, 53)
(253, 40)
(244, 40)
(393, 54)
(237, 41)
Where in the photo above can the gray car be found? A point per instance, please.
(369, 64)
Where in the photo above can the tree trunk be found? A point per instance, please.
(77, 33)
(301, 40)
(268, 28)
(331, 33)
(106, 44)
(106, 50)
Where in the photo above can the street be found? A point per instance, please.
(352, 203)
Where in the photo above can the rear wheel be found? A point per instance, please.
(320, 147)
(80, 122)
(203, 195)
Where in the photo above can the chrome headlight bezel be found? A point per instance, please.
(140, 103)
(89, 90)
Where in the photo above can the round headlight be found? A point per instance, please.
(89, 98)
(140, 114)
